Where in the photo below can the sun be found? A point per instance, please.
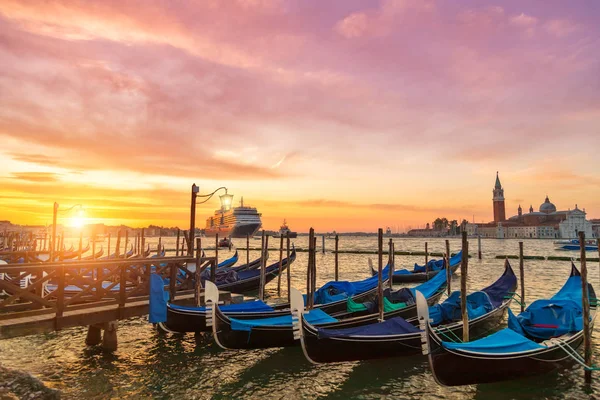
(78, 220)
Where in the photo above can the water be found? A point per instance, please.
(150, 364)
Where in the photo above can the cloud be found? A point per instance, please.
(354, 25)
(561, 27)
(37, 177)
(524, 21)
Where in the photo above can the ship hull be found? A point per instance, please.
(238, 231)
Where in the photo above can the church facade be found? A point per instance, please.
(546, 223)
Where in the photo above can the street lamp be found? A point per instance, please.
(225, 200)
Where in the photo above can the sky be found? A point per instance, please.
(342, 115)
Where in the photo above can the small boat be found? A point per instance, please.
(225, 243)
(419, 274)
(590, 245)
(399, 337)
(284, 231)
(231, 333)
(536, 341)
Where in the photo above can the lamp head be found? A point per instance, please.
(226, 201)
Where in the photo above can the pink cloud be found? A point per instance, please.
(561, 27)
(524, 21)
(354, 25)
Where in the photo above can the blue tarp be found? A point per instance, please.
(340, 290)
(392, 326)
(158, 300)
(545, 319)
(553, 317)
(504, 341)
(498, 290)
(248, 306)
(430, 287)
(436, 264)
(478, 304)
(313, 317)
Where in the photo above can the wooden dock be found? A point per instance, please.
(92, 293)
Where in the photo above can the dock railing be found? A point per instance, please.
(38, 289)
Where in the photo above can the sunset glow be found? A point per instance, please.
(343, 115)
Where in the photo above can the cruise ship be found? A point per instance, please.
(231, 221)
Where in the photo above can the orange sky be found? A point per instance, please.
(345, 115)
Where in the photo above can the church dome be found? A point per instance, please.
(547, 207)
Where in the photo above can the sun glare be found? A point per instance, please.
(77, 221)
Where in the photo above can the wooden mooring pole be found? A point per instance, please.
(521, 275)
(247, 249)
(280, 266)
(426, 262)
(309, 270)
(126, 243)
(197, 273)
(393, 266)
(323, 246)
(448, 270)
(479, 246)
(336, 276)
(261, 288)
(585, 303)
(463, 286)
(380, 272)
(177, 243)
(108, 245)
(314, 271)
(213, 271)
(289, 272)
(390, 262)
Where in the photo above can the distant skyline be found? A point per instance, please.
(343, 115)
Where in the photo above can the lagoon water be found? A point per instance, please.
(149, 364)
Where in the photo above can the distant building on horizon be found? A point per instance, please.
(546, 223)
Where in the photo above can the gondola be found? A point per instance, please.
(418, 274)
(232, 333)
(193, 319)
(247, 281)
(397, 336)
(537, 341)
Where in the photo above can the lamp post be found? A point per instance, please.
(225, 206)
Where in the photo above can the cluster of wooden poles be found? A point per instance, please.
(18, 241)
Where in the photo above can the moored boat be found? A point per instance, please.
(421, 273)
(539, 340)
(399, 337)
(231, 333)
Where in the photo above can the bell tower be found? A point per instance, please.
(499, 209)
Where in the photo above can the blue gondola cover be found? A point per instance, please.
(392, 326)
(504, 341)
(315, 316)
(158, 300)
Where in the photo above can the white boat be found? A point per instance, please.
(284, 230)
(231, 221)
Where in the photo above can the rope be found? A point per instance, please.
(574, 355)
(439, 331)
(513, 294)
